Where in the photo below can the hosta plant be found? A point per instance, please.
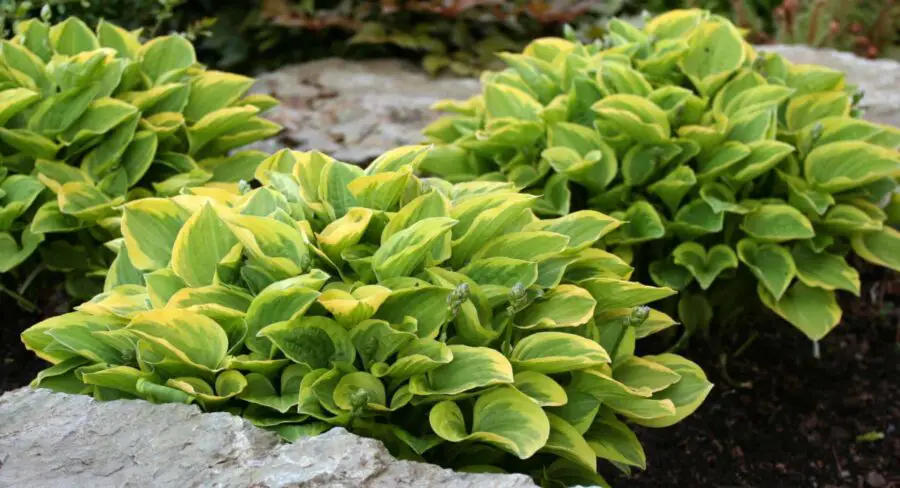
(737, 174)
(446, 320)
(90, 120)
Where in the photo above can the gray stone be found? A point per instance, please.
(57, 440)
(879, 78)
(356, 110)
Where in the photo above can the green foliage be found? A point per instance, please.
(446, 320)
(90, 120)
(733, 172)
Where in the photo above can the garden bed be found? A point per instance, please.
(797, 426)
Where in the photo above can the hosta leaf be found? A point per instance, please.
(164, 56)
(771, 263)
(716, 51)
(202, 242)
(541, 388)
(526, 245)
(808, 109)
(470, 368)
(638, 117)
(614, 293)
(845, 165)
(358, 382)
(705, 265)
(611, 439)
(583, 228)
(881, 247)
(407, 249)
(502, 417)
(185, 336)
(566, 442)
(426, 304)
(674, 186)
(417, 357)
(764, 155)
(825, 270)
(777, 223)
(564, 306)
(150, 228)
(281, 301)
(556, 352)
(846, 219)
(641, 223)
(317, 342)
(686, 394)
(814, 311)
(635, 405)
(506, 101)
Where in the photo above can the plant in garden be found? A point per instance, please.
(91, 120)
(737, 174)
(446, 320)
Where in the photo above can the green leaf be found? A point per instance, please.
(426, 304)
(612, 293)
(636, 116)
(716, 51)
(770, 263)
(556, 352)
(150, 228)
(641, 223)
(164, 57)
(814, 311)
(777, 223)
(408, 248)
(881, 248)
(502, 101)
(471, 367)
(566, 442)
(845, 165)
(72, 36)
(202, 242)
(502, 417)
(183, 336)
(687, 394)
(564, 306)
(825, 270)
(317, 342)
(541, 388)
(611, 439)
(705, 265)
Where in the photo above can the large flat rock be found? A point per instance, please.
(356, 110)
(879, 78)
(57, 440)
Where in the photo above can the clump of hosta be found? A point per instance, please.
(98, 119)
(737, 173)
(446, 320)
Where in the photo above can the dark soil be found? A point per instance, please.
(797, 426)
(17, 365)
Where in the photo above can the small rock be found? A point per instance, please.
(875, 479)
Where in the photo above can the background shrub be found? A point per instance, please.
(91, 120)
(738, 174)
(446, 320)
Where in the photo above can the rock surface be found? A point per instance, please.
(356, 110)
(879, 78)
(57, 440)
